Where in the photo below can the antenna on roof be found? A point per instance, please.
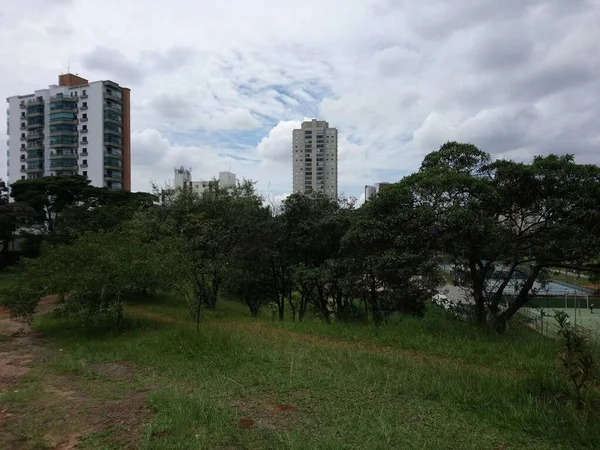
(69, 65)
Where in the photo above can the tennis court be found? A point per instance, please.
(542, 318)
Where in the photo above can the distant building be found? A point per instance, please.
(183, 179)
(315, 158)
(372, 190)
(74, 128)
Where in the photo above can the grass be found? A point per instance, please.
(238, 382)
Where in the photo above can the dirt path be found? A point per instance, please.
(43, 409)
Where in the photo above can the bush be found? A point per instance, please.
(576, 356)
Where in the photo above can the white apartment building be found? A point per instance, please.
(372, 190)
(315, 158)
(183, 179)
(75, 127)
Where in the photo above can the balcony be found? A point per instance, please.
(113, 166)
(35, 113)
(23, 105)
(82, 142)
(113, 107)
(35, 156)
(35, 146)
(33, 126)
(35, 170)
(63, 164)
(35, 101)
(64, 144)
(83, 130)
(23, 138)
(62, 98)
(23, 170)
(61, 156)
(83, 153)
(118, 179)
(83, 96)
(83, 108)
(83, 119)
(23, 127)
(113, 96)
(35, 136)
(63, 133)
(63, 121)
(112, 144)
(63, 110)
(113, 119)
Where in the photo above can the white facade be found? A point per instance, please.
(371, 191)
(315, 158)
(183, 179)
(68, 130)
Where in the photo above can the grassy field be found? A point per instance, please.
(244, 383)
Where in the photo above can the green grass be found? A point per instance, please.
(429, 383)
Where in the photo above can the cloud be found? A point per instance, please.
(112, 61)
(277, 145)
(223, 84)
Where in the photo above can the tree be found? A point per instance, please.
(505, 223)
(393, 268)
(12, 217)
(49, 196)
(313, 226)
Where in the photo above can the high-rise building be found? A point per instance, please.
(315, 158)
(75, 127)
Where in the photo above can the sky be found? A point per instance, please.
(221, 85)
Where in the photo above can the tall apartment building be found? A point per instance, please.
(315, 158)
(75, 127)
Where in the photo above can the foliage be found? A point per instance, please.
(394, 269)
(12, 217)
(576, 356)
(499, 237)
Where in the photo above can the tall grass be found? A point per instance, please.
(350, 386)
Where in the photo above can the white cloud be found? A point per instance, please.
(223, 84)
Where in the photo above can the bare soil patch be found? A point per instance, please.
(62, 412)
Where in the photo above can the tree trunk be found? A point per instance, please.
(477, 282)
(292, 307)
(518, 303)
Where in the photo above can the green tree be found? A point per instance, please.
(49, 196)
(12, 217)
(505, 223)
(393, 269)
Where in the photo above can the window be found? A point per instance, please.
(84, 116)
(84, 162)
(23, 177)
(22, 166)
(84, 127)
(84, 150)
(84, 92)
(84, 104)
(85, 173)
(84, 139)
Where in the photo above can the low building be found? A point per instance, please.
(183, 179)
(372, 190)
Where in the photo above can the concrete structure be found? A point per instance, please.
(373, 190)
(75, 127)
(315, 158)
(369, 192)
(183, 179)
